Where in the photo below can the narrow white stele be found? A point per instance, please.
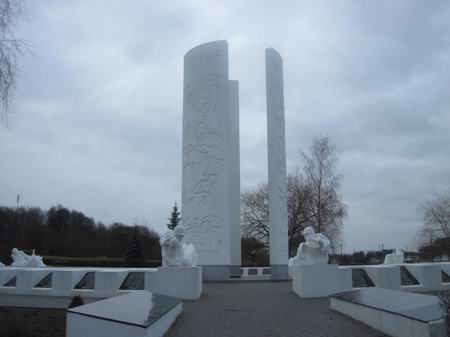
(206, 212)
(235, 187)
(277, 165)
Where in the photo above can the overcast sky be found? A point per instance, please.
(99, 107)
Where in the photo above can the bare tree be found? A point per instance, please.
(299, 209)
(255, 214)
(11, 48)
(436, 216)
(328, 210)
(313, 199)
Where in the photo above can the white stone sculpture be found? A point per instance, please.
(1, 264)
(314, 250)
(174, 253)
(276, 165)
(396, 257)
(20, 259)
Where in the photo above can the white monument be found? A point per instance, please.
(1, 264)
(235, 183)
(277, 165)
(20, 259)
(174, 253)
(206, 177)
(396, 257)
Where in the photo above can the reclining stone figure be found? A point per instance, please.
(175, 253)
(314, 250)
(20, 259)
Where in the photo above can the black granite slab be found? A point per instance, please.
(133, 281)
(445, 277)
(140, 308)
(360, 278)
(11, 283)
(423, 308)
(407, 279)
(87, 281)
(46, 282)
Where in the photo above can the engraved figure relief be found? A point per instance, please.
(280, 155)
(204, 149)
(209, 223)
(202, 96)
(205, 59)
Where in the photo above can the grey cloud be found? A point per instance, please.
(99, 108)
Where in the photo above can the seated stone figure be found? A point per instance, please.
(174, 253)
(395, 257)
(314, 250)
(20, 259)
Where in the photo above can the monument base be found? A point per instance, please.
(316, 280)
(181, 282)
(216, 272)
(279, 271)
(235, 271)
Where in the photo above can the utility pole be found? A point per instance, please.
(17, 201)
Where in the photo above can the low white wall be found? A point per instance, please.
(183, 282)
(384, 276)
(318, 281)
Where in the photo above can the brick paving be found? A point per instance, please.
(262, 309)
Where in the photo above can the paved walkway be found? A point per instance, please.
(262, 309)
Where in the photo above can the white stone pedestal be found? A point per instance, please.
(319, 280)
(181, 282)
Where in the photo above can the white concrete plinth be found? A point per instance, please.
(385, 276)
(181, 282)
(318, 280)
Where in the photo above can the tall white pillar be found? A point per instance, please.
(235, 187)
(276, 165)
(206, 159)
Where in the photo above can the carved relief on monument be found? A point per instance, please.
(205, 123)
